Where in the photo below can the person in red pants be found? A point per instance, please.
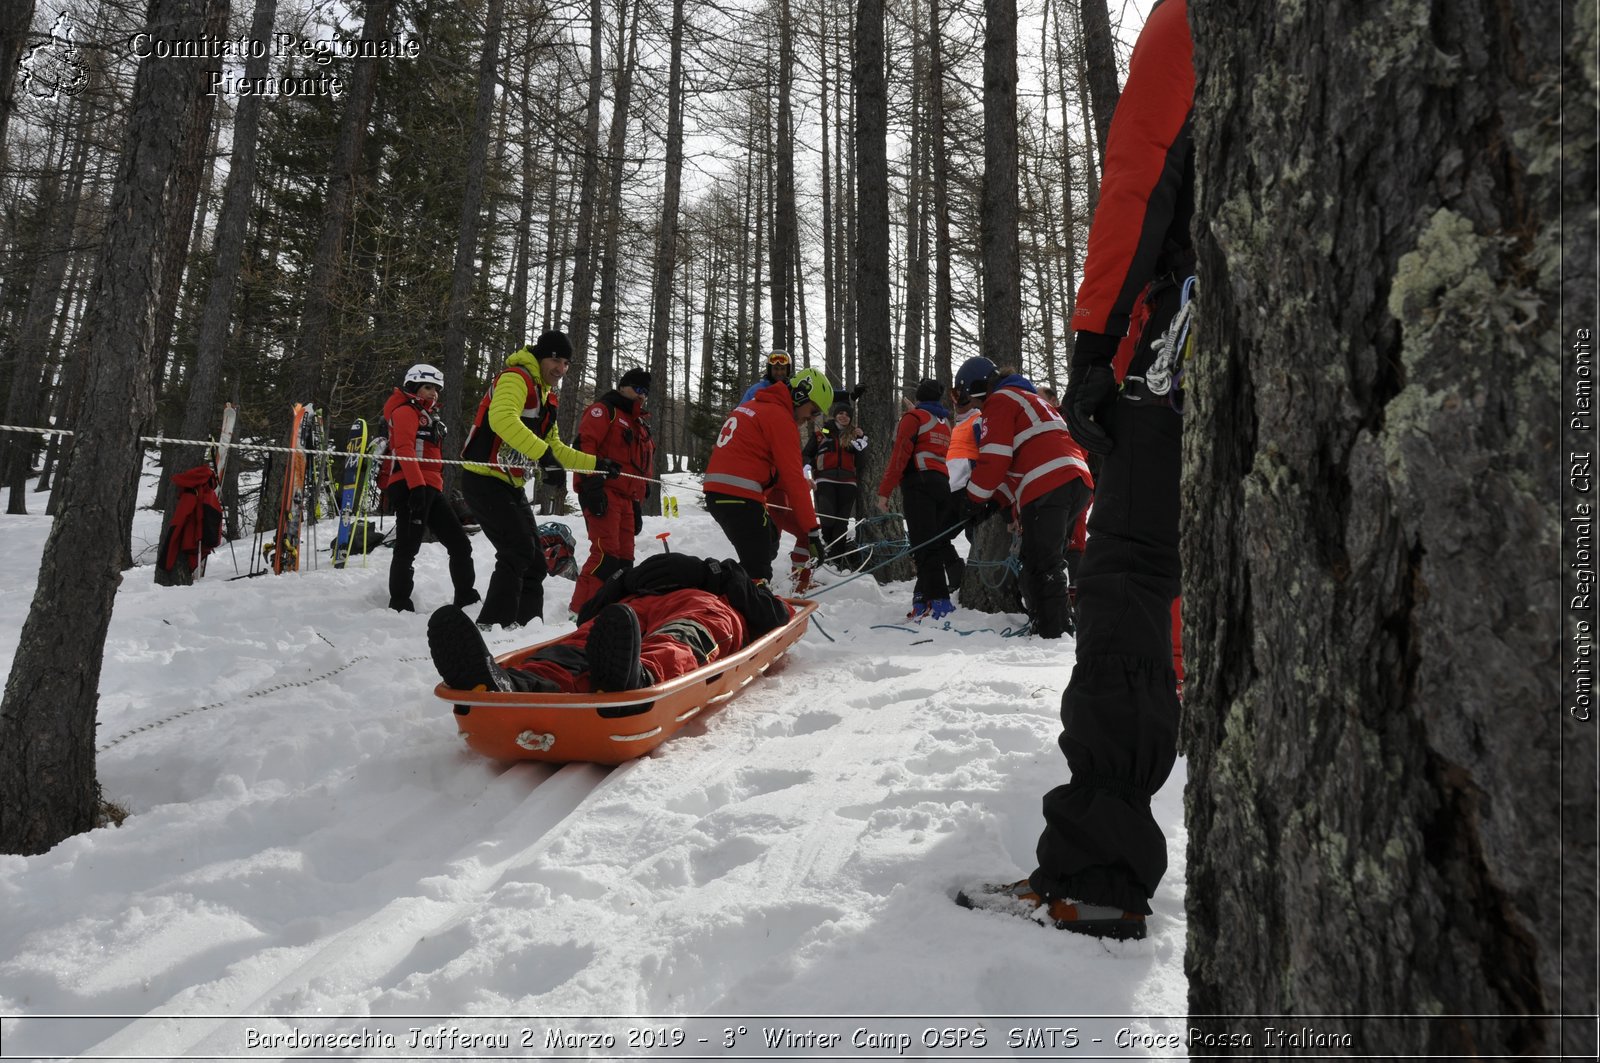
(671, 615)
(616, 427)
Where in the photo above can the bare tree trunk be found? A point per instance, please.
(879, 409)
(31, 344)
(47, 718)
(942, 313)
(667, 241)
(610, 262)
(785, 229)
(1100, 60)
(200, 408)
(1385, 783)
(456, 323)
(832, 361)
(1002, 271)
(583, 271)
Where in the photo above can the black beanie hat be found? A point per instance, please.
(635, 378)
(930, 391)
(553, 344)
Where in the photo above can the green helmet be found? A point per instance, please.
(809, 385)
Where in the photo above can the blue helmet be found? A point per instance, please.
(975, 378)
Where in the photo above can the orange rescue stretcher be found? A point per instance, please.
(591, 728)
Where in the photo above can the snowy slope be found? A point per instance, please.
(310, 838)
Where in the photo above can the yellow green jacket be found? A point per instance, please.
(516, 426)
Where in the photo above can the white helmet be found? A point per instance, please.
(423, 373)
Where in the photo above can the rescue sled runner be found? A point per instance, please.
(610, 728)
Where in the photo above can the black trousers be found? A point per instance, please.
(446, 528)
(930, 508)
(1046, 528)
(516, 588)
(835, 502)
(752, 534)
(1119, 713)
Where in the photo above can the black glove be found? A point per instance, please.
(419, 501)
(638, 518)
(592, 496)
(1091, 390)
(857, 391)
(977, 514)
(814, 546)
(607, 468)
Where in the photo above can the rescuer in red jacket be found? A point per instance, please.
(1028, 460)
(669, 616)
(615, 426)
(1102, 853)
(917, 467)
(758, 451)
(413, 488)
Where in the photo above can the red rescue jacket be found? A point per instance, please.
(196, 526)
(1025, 450)
(832, 454)
(414, 432)
(758, 448)
(920, 442)
(614, 427)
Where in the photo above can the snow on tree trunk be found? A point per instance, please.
(1374, 726)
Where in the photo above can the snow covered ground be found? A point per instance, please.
(316, 865)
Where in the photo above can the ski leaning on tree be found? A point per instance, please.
(755, 469)
(1102, 853)
(414, 488)
(617, 428)
(514, 427)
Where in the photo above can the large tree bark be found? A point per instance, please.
(1389, 810)
(477, 162)
(942, 368)
(785, 228)
(47, 718)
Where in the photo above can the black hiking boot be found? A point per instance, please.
(459, 653)
(613, 650)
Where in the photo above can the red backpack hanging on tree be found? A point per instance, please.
(196, 527)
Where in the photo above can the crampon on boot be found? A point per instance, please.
(1018, 898)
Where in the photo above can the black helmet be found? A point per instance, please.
(975, 378)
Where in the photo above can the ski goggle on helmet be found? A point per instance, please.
(780, 358)
(809, 385)
(423, 373)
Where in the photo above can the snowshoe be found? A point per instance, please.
(1018, 898)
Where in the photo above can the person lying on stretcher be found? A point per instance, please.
(662, 619)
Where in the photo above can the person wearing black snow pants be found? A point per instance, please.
(929, 510)
(1046, 528)
(516, 587)
(1119, 712)
(413, 520)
